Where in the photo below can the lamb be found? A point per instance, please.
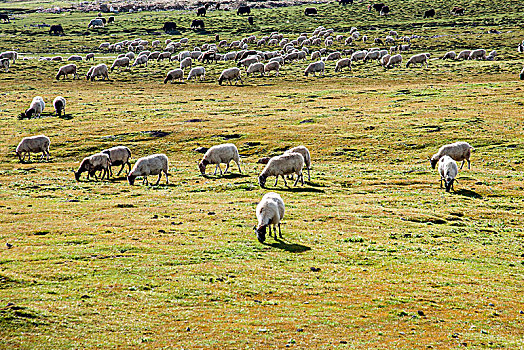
(286, 164)
(118, 155)
(459, 151)
(419, 58)
(307, 157)
(256, 68)
(12, 55)
(155, 164)
(120, 62)
(99, 70)
(344, 62)
(92, 164)
(174, 74)
(230, 74)
(90, 56)
(59, 103)
(272, 66)
(218, 154)
(5, 63)
(35, 144)
(186, 62)
(477, 54)
(36, 107)
(463, 55)
(393, 60)
(199, 73)
(140, 60)
(316, 67)
(269, 212)
(451, 55)
(448, 172)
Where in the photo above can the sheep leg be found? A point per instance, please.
(240, 170)
(298, 178)
(469, 164)
(279, 231)
(276, 180)
(158, 180)
(461, 165)
(28, 156)
(227, 167)
(285, 182)
(144, 181)
(167, 180)
(308, 176)
(269, 230)
(122, 168)
(441, 182)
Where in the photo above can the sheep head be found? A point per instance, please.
(261, 233)
(433, 161)
(449, 183)
(131, 179)
(262, 181)
(202, 166)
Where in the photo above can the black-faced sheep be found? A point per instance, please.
(270, 211)
(286, 164)
(155, 164)
(92, 164)
(448, 171)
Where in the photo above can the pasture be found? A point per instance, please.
(374, 255)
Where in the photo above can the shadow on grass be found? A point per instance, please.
(225, 176)
(468, 193)
(295, 189)
(289, 247)
(66, 117)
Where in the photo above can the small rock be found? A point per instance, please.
(300, 330)
(9, 245)
(262, 330)
(155, 216)
(421, 313)
(455, 335)
(211, 213)
(10, 304)
(484, 331)
(315, 269)
(521, 312)
(161, 231)
(491, 304)
(343, 342)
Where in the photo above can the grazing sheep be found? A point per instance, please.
(372, 55)
(90, 56)
(429, 13)
(349, 40)
(344, 62)
(394, 60)
(477, 54)
(315, 55)
(286, 164)
(5, 63)
(385, 60)
(140, 60)
(333, 56)
(256, 68)
(218, 154)
(36, 107)
(59, 103)
(269, 212)
(463, 55)
(12, 55)
(310, 11)
(163, 55)
(57, 58)
(120, 63)
(459, 151)
(155, 164)
(153, 55)
(34, 144)
(272, 66)
(230, 74)
(99, 70)
(92, 164)
(75, 58)
(419, 58)
(358, 55)
(451, 55)
(243, 10)
(246, 62)
(118, 155)
(307, 157)
(174, 74)
(199, 73)
(186, 62)
(448, 170)
(97, 22)
(316, 67)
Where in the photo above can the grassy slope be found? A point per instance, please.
(109, 265)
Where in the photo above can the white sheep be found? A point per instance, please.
(66, 70)
(230, 74)
(36, 107)
(256, 67)
(218, 154)
(121, 62)
(163, 55)
(140, 60)
(358, 55)
(12, 55)
(459, 151)
(34, 144)
(286, 164)
(316, 67)
(272, 66)
(92, 164)
(448, 171)
(477, 54)
(450, 55)
(307, 157)
(270, 211)
(155, 164)
(394, 60)
(344, 62)
(199, 73)
(315, 55)
(174, 74)
(246, 62)
(99, 70)
(118, 155)
(5, 63)
(418, 58)
(59, 103)
(333, 56)
(372, 55)
(385, 60)
(185, 63)
(463, 55)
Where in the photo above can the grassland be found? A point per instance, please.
(402, 263)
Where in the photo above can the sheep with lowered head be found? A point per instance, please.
(448, 171)
(118, 155)
(155, 164)
(36, 107)
(316, 67)
(218, 154)
(270, 211)
(307, 157)
(121, 62)
(92, 164)
(199, 73)
(5, 63)
(174, 74)
(59, 103)
(272, 66)
(286, 164)
(418, 58)
(66, 70)
(459, 151)
(99, 70)
(256, 67)
(342, 63)
(230, 74)
(33, 144)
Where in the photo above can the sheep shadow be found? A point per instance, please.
(66, 117)
(297, 189)
(289, 247)
(229, 176)
(468, 193)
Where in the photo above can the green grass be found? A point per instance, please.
(108, 265)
